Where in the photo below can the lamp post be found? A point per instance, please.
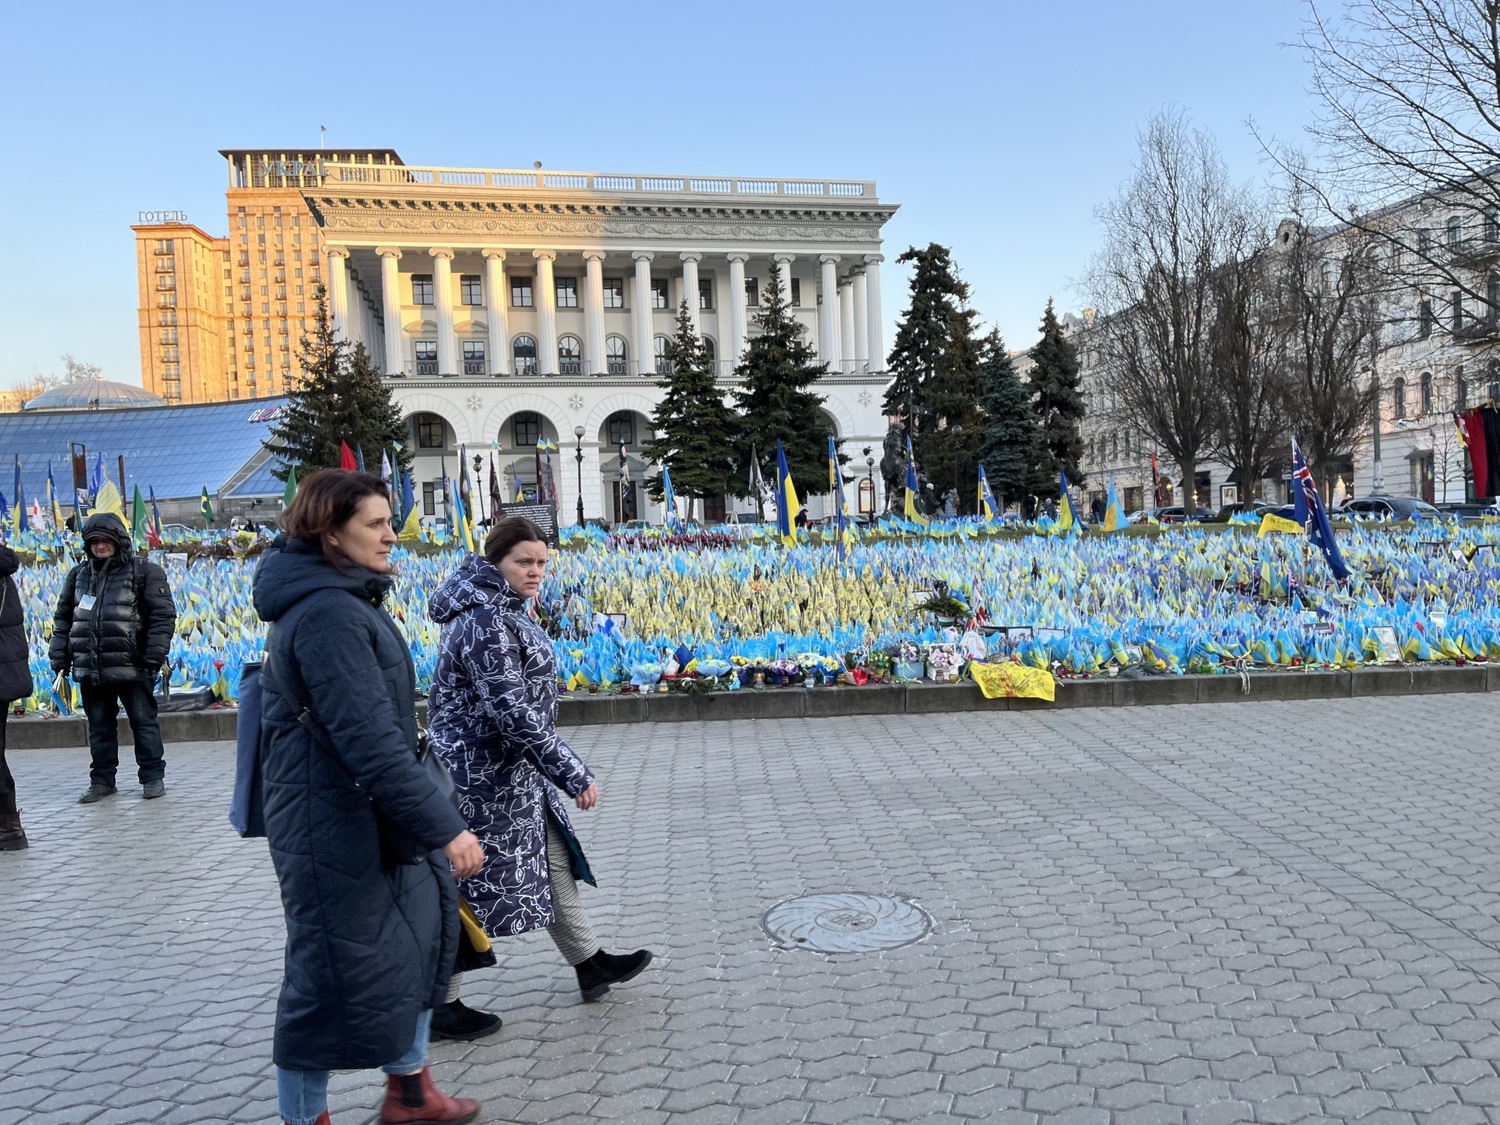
(578, 433)
(478, 465)
(870, 472)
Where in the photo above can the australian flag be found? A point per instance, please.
(1308, 510)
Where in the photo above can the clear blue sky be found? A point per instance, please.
(998, 126)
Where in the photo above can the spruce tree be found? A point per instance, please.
(1057, 403)
(775, 399)
(935, 365)
(341, 398)
(1011, 446)
(694, 427)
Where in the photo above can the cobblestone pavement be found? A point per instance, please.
(1269, 912)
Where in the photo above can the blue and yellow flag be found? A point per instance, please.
(1066, 521)
(988, 509)
(1114, 514)
(786, 500)
(18, 509)
(836, 494)
(52, 504)
(463, 534)
(911, 488)
(669, 500)
(411, 515)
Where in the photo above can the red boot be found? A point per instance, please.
(322, 1119)
(412, 1099)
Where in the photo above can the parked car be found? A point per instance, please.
(1390, 508)
(1175, 514)
(1256, 508)
(1469, 509)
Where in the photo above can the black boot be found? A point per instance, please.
(604, 969)
(456, 1020)
(12, 835)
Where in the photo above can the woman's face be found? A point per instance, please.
(366, 540)
(523, 568)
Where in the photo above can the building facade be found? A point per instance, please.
(183, 275)
(508, 306)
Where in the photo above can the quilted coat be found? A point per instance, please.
(368, 946)
(15, 666)
(492, 715)
(124, 638)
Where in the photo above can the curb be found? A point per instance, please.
(881, 699)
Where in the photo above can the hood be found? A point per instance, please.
(291, 569)
(476, 582)
(107, 525)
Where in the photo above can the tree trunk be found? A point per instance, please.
(1189, 486)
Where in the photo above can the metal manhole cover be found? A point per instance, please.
(846, 923)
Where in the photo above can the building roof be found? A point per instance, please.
(177, 450)
(93, 394)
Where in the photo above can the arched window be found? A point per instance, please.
(569, 356)
(614, 355)
(526, 429)
(1455, 233)
(1398, 396)
(1114, 447)
(524, 351)
(1327, 276)
(708, 349)
(659, 353)
(1427, 392)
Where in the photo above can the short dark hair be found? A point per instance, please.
(506, 535)
(325, 502)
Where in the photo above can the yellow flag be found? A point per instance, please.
(1013, 681)
(1271, 524)
(108, 499)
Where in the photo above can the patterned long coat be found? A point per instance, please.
(492, 716)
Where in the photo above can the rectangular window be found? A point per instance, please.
(527, 430)
(659, 298)
(621, 429)
(426, 353)
(520, 292)
(1424, 242)
(705, 294)
(421, 288)
(430, 432)
(470, 291)
(1424, 320)
(474, 358)
(429, 499)
(752, 291)
(567, 292)
(614, 292)
(796, 292)
(1458, 310)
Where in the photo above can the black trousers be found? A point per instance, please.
(102, 703)
(7, 782)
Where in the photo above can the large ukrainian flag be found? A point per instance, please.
(786, 499)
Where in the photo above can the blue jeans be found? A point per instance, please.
(302, 1095)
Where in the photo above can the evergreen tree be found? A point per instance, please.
(694, 428)
(775, 399)
(1058, 404)
(1011, 447)
(936, 368)
(341, 398)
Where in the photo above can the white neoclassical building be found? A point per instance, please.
(508, 306)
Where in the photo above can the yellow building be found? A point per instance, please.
(182, 274)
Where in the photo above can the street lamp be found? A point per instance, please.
(578, 433)
(479, 465)
(870, 472)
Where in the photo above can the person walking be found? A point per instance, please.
(113, 629)
(492, 716)
(15, 683)
(364, 843)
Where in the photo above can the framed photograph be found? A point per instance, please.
(1388, 650)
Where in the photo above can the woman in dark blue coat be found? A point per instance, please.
(15, 683)
(371, 931)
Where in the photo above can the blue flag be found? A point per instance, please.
(359, 455)
(988, 509)
(910, 509)
(787, 506)
(1308, 510)
(669, 500)
(96, 478)
(408, 500)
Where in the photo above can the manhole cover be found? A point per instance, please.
(846, 923)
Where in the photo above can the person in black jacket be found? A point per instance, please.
(370, 935)
(15, 683)
(113, 627)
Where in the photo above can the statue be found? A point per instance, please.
(893, 468)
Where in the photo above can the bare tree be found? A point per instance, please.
(1330, 312)
(1250, 384)
(1172, 227)
(1410, 110)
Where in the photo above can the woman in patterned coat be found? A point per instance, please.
(492, 715)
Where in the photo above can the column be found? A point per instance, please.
(644, 356)
(828, 315)
(872, 315)
(690, 262)
(734, 347)
(338, 290)
(861, 355)
(783, 267)
(593, 312)
(546, 313)
(442, 292)
(390, 303)
(846, 326)
(495, 297)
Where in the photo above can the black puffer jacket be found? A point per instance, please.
(368, 946)
(124, 634)
(15, 664)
